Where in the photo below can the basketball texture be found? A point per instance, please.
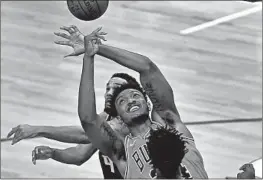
(87, 10)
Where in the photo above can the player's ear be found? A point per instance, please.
(149, 106)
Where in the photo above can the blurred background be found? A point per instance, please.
(215, 73)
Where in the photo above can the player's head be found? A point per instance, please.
(130, 103)
(115, 81)
(166, 150)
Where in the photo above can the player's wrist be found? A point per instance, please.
(53, 153)
(37, 130)
(88, 56)
(41, 131)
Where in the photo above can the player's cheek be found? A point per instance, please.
(122, 110)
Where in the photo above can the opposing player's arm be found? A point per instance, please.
(99, 132)
(74, 155)
(162, 98)
(152, 80)
(67, 134)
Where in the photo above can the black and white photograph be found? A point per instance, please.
(131, 89)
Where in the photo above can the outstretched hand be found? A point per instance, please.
(76, 39)
(41, 153)
(92, 42)
(21, 132)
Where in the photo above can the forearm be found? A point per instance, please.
(67, 134)
(134, 61)
(71, 156)
(87, 106)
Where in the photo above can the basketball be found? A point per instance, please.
(87, 10)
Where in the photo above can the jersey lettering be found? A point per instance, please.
(108, 162)
(144, 151)
(138, 160)
(186, 174)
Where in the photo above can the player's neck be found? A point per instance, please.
(140, 129)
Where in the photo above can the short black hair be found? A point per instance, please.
(121, 88)
(127, 77)
(166, 150)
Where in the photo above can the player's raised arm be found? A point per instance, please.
(98, 130)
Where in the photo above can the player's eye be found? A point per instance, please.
(136, 96)
(121, 101)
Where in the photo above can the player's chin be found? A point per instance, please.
(107, 108)
(139, 116)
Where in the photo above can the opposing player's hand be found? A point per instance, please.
(23, 131)
(92, 42)
(249, 172)
(75, 39)
(41, 153)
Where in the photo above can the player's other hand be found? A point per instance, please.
(248, 172)
(75, 39)
(23, 131)
(92, 42)
(41, 153)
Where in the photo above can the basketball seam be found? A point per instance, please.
(83, 9)
(98, 7)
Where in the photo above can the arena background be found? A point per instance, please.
(215, 73)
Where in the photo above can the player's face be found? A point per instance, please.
(110, 87)
(131, 104)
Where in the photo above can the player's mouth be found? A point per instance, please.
(133, 108)
(108, 100)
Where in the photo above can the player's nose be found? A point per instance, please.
(131, 101)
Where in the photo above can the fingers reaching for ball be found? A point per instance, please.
(75, 39)
(75, 28)
(68, 29)
(99, 34)
(62, 35)
(67, 43)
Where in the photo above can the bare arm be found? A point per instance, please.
(152, 80)
(67, 134)
(74, 155)
(126, 58)
(99, 132)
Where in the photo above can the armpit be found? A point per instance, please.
(115, 140)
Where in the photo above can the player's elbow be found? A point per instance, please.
(149, 66)
(88, 122)
(146, 64)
